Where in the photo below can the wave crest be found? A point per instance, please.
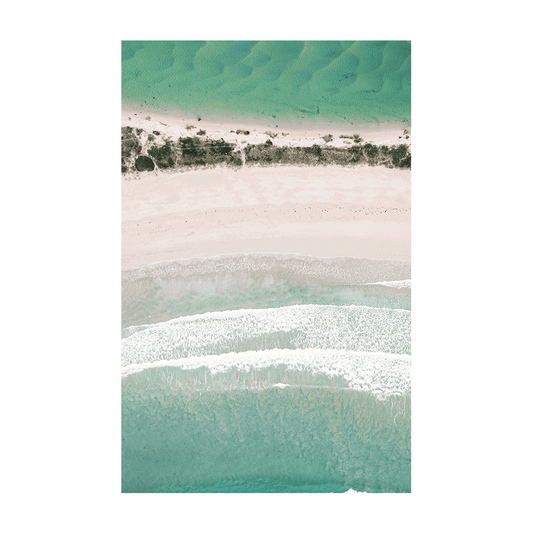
(302, 326)
(341, 417)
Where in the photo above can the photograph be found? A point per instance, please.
(265, 266)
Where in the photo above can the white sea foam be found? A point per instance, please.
(382, 374)
(351, 327)
(398, 284)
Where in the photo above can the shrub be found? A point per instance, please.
(315, 151)
(278, 154)
(406, 162)
(130, 145)
(191, 149)
(144, 163)
(356, 153)
(401, 156)
(328, 138)
(371, 151)
(165, 156)
(219, 148)
(398, 153)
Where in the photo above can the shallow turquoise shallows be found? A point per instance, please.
(307, 83)
(253, 439)
(266, 373)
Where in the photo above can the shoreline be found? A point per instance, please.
(287, 134)
(310, 123)
(360, 247)
(130, 273)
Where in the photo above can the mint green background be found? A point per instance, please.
(52, 458)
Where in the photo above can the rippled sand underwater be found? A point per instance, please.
(291, 82)
(294, 397)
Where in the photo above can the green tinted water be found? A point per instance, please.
(297, 439)
(204, 427)
(153, 300)
(271, 82)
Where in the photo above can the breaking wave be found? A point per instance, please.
(266, 373)
(305, 326)
(276, 421)
(159, 292)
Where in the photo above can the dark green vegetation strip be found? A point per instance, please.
(197, 151)
(398, 156)
(185, 152)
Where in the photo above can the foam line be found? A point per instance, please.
(300, 326)
(399, 284)
(382, 374)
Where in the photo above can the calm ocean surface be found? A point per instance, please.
(303, 83)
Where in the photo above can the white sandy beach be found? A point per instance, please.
(358, 211)
(290, 136)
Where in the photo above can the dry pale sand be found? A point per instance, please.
(321, 211)
(175, 127)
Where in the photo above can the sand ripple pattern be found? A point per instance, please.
(296, 81)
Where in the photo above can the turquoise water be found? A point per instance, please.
(265, 485)
(262, 440)
(257, 281)
(160, 303)
(272, 82)
(264, 373)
